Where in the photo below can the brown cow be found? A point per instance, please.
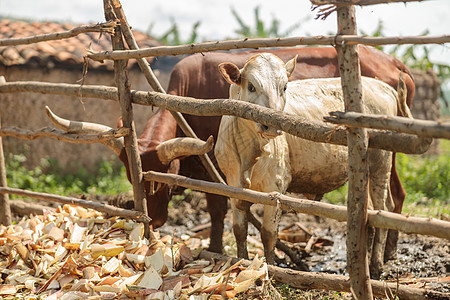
(197, 76)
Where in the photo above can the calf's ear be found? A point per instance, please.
(290, 66)
(231, 73)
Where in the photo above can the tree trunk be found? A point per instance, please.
(131, 146)
(5, 211)
(357, 143)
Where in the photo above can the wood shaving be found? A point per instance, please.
(78, 253)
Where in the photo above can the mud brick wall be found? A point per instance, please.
(426, 105)
(26, 110)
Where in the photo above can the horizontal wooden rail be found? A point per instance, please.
(314, 131)
(104, 208)
(359, 2)
(100, 27)
(323, 281)
(376, 218)
(433, 129)
(63, 135)
(264, 43)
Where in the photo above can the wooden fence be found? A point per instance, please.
(355, 136)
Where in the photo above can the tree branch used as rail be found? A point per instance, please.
(379, 219)
(433, 129)
(332, 282)
(100, 27)
(314, 131)
(358, 2)
(104, 208)
(62, 135)
(265, 43)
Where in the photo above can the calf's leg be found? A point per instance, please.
(398, 196)
(240, 226)
(381, 198)
(269, 231)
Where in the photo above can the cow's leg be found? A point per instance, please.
(240, 226)
(217, 208)
(381, 198)
(157, 204)
(269, 231)
(398, 196)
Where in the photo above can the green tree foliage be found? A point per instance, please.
(261, 29)
(172, 35)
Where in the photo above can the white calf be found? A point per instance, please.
(258, 157)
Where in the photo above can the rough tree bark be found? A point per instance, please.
(322, 281)
(433, 129)
(357, 144)
(358, 2)
(104, 208)
(101, 27)
(314, 131)
(266, 43)
(154, 83)
(131, 146)
(376, 218)
(62, 135)
(5, 211)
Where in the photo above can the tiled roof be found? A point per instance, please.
(66, 52)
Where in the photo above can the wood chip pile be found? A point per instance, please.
(78, 253)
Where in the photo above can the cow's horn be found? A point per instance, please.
(183, 146)
(85, 127)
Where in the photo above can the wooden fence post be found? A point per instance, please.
(131, 146)
(5, 210)
(357, 139)
(154, 83)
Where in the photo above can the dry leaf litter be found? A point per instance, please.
(78, 253)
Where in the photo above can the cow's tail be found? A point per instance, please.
(402, 92)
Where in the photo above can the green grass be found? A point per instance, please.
(50, 178)
(426, 180)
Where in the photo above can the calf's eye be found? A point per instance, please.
(251, 88)
(285, 88)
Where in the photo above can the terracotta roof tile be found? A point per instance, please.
(67, 52)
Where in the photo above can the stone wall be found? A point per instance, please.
(426, 105)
